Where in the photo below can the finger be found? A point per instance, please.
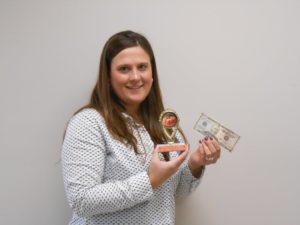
(213, 161)
(209, 156)
(217, 147)
(183, 155)
(201, 148)
(206, 149)
(156, 150)
(211, 146)
(216, 157)
(155, 154)
(179, 159)
(216, 144)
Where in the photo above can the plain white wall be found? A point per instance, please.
(237, 61)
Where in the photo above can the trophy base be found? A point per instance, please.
(172, 147)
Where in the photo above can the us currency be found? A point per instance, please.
(210, 127)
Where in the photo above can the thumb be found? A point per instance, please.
(155, 154)
(179, 159)
(183, 155)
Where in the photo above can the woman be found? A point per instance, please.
(113, 173)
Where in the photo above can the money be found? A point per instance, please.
(210, 127)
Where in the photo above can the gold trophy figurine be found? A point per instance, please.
(169, 121)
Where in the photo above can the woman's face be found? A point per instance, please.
(131, 76)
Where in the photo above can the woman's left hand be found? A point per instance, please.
(208, 152)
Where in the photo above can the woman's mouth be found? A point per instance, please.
(134, 87)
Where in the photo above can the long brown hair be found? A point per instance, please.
(107, 103)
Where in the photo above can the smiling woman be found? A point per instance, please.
(113, 173)
(131, 78)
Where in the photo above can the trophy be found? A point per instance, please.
(169, 121)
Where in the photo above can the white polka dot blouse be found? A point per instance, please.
(107, 183)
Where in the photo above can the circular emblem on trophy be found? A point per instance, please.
(169, 121)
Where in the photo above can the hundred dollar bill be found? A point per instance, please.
(210, 127)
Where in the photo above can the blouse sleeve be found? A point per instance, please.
(187, 182)
(83, 162)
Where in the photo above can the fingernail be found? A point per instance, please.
(206, 138)
(200, 141)
(210, 138)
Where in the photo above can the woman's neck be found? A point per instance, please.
(134, 112)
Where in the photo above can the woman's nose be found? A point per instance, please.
(135, 75)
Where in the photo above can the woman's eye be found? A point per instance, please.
(143, 67)
(123, 69)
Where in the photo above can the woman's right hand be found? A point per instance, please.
(159, 171)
